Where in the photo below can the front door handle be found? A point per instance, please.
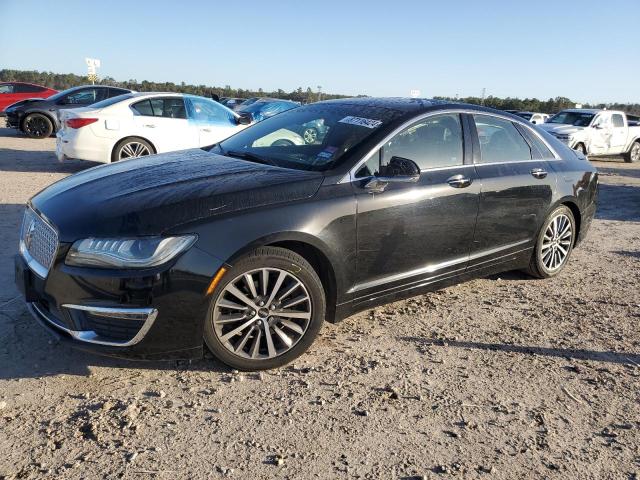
(149, 125)
(205, 129)
(539, 173)
(459, 181)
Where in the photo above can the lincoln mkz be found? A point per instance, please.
(247, 246)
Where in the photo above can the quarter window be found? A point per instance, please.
(500, 140)
(433, 142)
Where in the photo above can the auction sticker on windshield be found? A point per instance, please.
(363, 122)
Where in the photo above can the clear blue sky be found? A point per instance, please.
(586, 50)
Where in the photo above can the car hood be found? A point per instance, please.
(151, 195)
(560, 128)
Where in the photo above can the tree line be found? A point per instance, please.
(62, 81)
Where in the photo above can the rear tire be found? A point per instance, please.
(633, 155)
(272, 322)
(554, 244)
(131, 147)
(37, 125)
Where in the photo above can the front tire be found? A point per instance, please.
(266, 311)
(581, 148)
(633, 155)
(554, 244)
(37, 125)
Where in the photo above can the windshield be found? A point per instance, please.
(577, 119)
(110, 101)
(313, 137)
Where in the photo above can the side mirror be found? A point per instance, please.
(598, 126)
(399, 170)
(244, 119)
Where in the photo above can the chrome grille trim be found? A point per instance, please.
(38, 242)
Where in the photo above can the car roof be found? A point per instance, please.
(583, 110)
(412, 106)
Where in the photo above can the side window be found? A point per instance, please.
(143, 108)
(500, 140)
(204, 110)
(160, 107)
(6, 88)
(433, 142)
(86, 96)
(114, 92)
(618, 121)
(28, 89)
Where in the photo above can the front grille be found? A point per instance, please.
(38, 242)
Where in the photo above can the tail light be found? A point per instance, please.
(80, 122)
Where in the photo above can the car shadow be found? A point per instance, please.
(632, 359)
(39, 161)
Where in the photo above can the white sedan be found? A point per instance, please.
(137, 124)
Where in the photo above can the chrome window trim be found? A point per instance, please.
(89, 336)
(350, 176)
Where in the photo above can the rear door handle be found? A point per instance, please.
(149, 125)
(539, 173)
(459, 181)
(205, 129)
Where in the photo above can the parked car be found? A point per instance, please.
(232, 103)
(139, 124)
(12, 92)
(266, 107)
(38, 118)
(251, 246)
(597, 132)
(534, 117)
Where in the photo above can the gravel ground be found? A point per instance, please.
(501, 378)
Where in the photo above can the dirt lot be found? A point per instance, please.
(501, 378)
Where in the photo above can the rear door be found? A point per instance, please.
(619, 133)
(516, 189)
(163, 121)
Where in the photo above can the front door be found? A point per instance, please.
(516, 189)
(415, 231)
(601, 132)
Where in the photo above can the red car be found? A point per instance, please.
(12, 92)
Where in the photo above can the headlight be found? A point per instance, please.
(143, 252)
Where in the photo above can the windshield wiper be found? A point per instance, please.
(249, 156)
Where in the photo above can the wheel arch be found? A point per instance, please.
(572, 205)
(44, 114)
(313, 251)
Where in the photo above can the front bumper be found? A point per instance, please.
(12, 120)
(157, 314)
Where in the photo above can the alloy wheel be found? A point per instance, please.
(36, 126)
(133, 150)
(556, 242)
(262, 313)
(310, 135)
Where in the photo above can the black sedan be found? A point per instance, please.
(248, 246)
(37, 117)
